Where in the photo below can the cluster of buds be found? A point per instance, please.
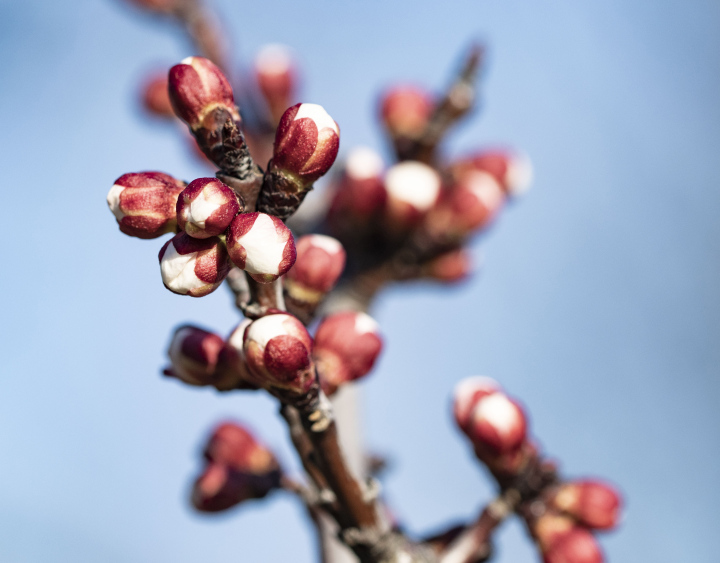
(238, 468)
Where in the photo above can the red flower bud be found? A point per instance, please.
(577, 546)
(233, 445)
(466, 395)
(453, 266)
(206, 207)
(276, 77)
(512, 169)
(405, 110)
(592, 503)
(550, 527)
(497, 424)
(144, 203)
(277, 350)
(360, 192)
(193, 354)
(191, 266)
(196, 87)
(261, 245)
(412, 189)
(320, 261)
(306, 143)
(155, 96)
(346, 347)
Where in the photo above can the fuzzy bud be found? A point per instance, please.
(360, 191)
(592, 503)
(466, 395)
(450, 267)
(513, 170)
(405, 110)
(412, 189)
(276, 78)
(320, 261)
(193, 267)
(194, 354)
(497, 424)
(306, 144)
(155, 98)
(577, 546)
(233, 445)
(261, 245)
(346, 347)
(196, 87)
(550, 527)
(144, 203)
(277, 350)
(206, 207)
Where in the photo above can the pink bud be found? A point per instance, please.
(276, 77)
(306, 143)
(512, 169)
(193, 354)
(191, 266)
(412, 189)
(261, 245)
(466, 395)
(360, 191)
(346, 347)
(550, 527)
(577, 546)
(206, 207)
(234, 445)
(592, 503)
(196, 87)
(405, 110)
(155, 96)
(497, 423)
(320, 261)
(144, 203)
(451, 267)
(277, 350)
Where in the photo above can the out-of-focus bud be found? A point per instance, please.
(320, 261)
(360, 191)
(550, 527)
(193, 267)
(193, 354)
(206, 207)
(497, 424)
(512, 169)
(592, 503)
(412, 189)
(155, 96)
(577, 546)
(276, 78)
(466, 395)
(144, 203)
(306, 144)
(346, 347)
(232, 354)
(453, 266)
(233, 445)
(261, 245)
(405, 110)
(277, 350)
(196, 87)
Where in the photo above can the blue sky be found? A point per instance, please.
(597, 304)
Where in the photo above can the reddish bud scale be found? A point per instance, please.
(194, 354)
(206, 207)
(155, 96)
(306, 144)
(497, 424)
(261, 245)
(144, 203)
(412, 189)
(360, 192)
(276, 78)
(577, 546)
(193, 267)
(405, 110)
(451, 267)
(197, 86)
(319, 263)
(592, 503)
(513, 170)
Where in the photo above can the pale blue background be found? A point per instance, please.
(598, 304)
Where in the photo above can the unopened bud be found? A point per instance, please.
(155, 96)
(320, 261)
(592, 503)
(497, 424)
(346, 347)
(550, 527)
(261, 245)
(277, 350)
(412, 189)
(191, 266)
(405, 110)
(577, 546)
(276, 78)
(206, 207)
(466, 395)
(196, 87)
(512, 169)
(233, 445)
(144, 203)
(194, 354)
(453, 266)
(360, 191)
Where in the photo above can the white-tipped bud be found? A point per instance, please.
(412, 189)
(193, 267)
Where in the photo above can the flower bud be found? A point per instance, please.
(206, 207)
(360, 191)
(155, 96)
(497, 424)
(405, 110)
(277, 349)
(512, 169)
(233, 445)
(306, 144)
(577, 546)
(451, 267)
(261, 245)
(592, 503)
(191, 266)
(144, 203)
(550, 527)
(412, 189)
(196, 87)
(193, 354)
(346, 347)
(466, 395)
(276, 78)
(320, 261)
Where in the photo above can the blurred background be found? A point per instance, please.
(597, 303)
